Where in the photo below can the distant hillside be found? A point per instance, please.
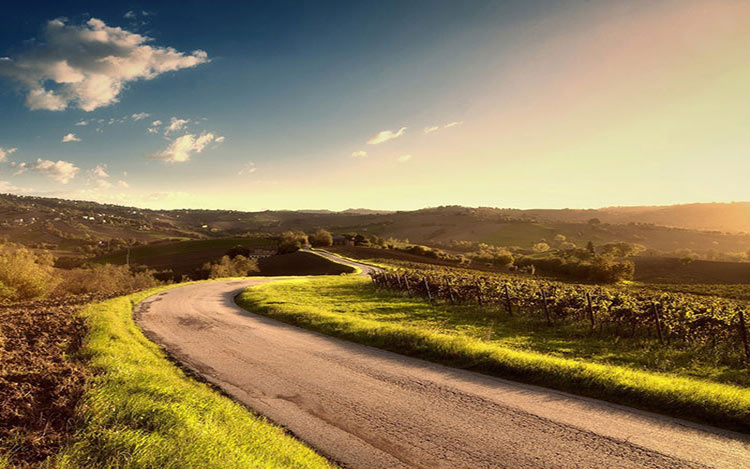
(728, 217)
(93, 228)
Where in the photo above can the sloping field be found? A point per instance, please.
(183, 257)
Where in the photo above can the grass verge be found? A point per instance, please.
(141, 411)
(485, 341)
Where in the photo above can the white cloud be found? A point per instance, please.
(453, 124)
(359, 154)
(140, 116)
(100, 171)
(248, 168)
(220, 139)
(154, 128)
(429, 130)
(182, 148)
(403, 158)
(385, 135)
(88, 65)
(123, 184)
(129, 15)
(4, 152)
(70, 138)
(61, 171)
(175, 125)
(20, 168)
(81, 123)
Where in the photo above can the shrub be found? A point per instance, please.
(25, 275)
(238, 266)
(292, 241)
(106, 279)
(321, 238)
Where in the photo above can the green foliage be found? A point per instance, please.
(579, 264)
(485, 340)
(141, 411)
(25, 275)
(292, 241)
(321, 239)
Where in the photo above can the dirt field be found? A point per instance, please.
(41, 379)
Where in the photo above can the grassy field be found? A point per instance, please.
(631, 372)
(183, 257)
(141, 411)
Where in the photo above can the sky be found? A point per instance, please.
(383, 105)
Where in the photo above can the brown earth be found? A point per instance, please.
(41, 378)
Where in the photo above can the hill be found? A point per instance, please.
(89, 228)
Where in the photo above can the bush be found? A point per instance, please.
(106, 279)
(25, 275)
(238, 266)
(292, 241)
(321, 238)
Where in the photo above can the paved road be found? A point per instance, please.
(367, 408)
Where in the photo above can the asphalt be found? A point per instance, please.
(367, 408)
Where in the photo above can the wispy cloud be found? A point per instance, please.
(100, 171)
(140, 116)
(60, 171)
(19, 167)
(182, 148)
(154, 127)
(359, 154)
(70, 138)
(82, 123)
(247, 168)
(175, 125)
(453, 124)
(385, 135)
(89, 64)
(5, 152)
(429, 130)
(403, 158)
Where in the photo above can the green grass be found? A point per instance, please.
(635, 373)
(141, 411)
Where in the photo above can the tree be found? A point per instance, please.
(321, 238)
(291, 241)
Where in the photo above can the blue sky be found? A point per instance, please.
(273, 104)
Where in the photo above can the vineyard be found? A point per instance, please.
(672, 319)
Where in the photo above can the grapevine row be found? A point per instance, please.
(669, 317)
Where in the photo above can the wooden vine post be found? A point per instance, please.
(398, 279)
(655, 310)
(743, 334)
(546, 309)
(406, 283)
(590, 308)
(479, 294)
(427, 288)
(508, 304)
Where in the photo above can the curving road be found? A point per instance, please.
(367, 408)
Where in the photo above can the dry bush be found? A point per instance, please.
(25, 275)
(238, 266)
(106, 279)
